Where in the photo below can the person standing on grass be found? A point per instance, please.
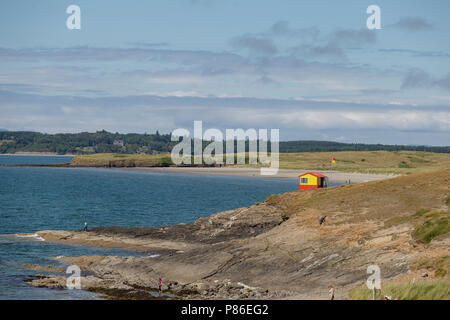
(160, 284)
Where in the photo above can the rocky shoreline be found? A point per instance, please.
(271, 250)
(182, 242)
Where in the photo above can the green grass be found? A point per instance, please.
(124, 160)
(378, 162)
(121, 160)
(433, 224)
(381, 162)
(270, 199)
(404, 164)
(428, 224)
(440, 266)
(420, 290)
(421, 212)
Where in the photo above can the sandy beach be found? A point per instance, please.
(334, 176)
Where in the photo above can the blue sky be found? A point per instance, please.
(309, 68)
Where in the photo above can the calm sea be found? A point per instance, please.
(33, 198)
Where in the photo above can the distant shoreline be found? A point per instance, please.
(333, 176)
(46, 154)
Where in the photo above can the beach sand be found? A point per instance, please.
(334, 176)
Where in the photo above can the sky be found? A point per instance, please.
(311, 69)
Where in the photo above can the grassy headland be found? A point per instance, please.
(121, 160)
(378, 162)
(397, 162)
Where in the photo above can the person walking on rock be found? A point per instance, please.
(322, 220)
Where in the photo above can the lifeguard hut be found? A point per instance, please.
(312, 180)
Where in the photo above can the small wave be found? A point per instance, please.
(33, 236)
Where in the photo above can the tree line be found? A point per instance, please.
(85, 142)
(131, 143)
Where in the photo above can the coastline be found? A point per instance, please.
(43, 154)
(270, 250)
(336, 177)
(193, 259)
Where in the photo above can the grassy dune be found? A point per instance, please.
(381, 162)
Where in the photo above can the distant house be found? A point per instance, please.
(118, 143)
(312, 180)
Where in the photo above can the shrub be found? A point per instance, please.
(404, 164)
(270, 199)
(166, 161)
(440, 273)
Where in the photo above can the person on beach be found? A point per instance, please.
(331, 292)
(85, 226)
(159, 284)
